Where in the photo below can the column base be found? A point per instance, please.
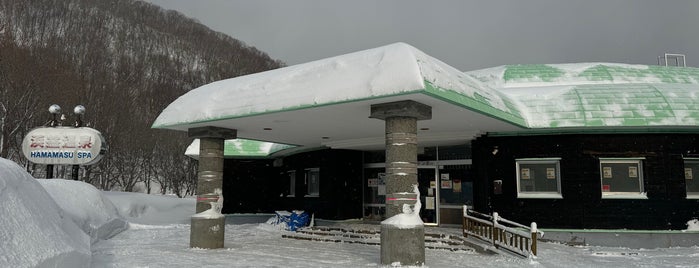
(207, 233)
(404, 246)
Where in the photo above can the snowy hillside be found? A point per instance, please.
(98, 53)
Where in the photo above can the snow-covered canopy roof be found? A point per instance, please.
(327, 102)
(242, 148)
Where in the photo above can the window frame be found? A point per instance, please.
(291, 174)
(539, 194)
(311, 190)
(641, 194)
(690, 195)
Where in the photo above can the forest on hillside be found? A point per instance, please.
(125, 61)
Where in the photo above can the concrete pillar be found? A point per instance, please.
(208, 229)
(401, 162)
(401, 245)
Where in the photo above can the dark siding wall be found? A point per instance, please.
(252, 186)
(582, 205)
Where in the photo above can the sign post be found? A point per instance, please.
(78, 111)
(54, 144)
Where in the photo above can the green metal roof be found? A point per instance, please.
(600, 72)
(599, 94)
(243, 148)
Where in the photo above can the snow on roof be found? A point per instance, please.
(599, 94)
(242, 148)
(391, 70)
(541, 96)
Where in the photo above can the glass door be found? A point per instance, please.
(429, 194)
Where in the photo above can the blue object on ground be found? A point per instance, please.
(298, 219)
(292, 221)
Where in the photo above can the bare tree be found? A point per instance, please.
(125, 61)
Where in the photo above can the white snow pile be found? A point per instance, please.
(87, 207)
(152, 209)
(35, 231)
(214, 212)
(55, 228)
(410, 218)
(693, 225)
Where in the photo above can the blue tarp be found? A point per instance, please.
(291, 220)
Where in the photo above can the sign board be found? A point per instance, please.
(64, 146)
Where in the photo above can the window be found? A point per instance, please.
(691, 177)
(313, 182)
(539, 178)
(292, 183)
(622, 178)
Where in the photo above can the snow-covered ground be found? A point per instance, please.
(261, 245)
(36, 231)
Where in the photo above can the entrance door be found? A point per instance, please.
(429, 194)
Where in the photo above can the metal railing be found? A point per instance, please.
(501, 233)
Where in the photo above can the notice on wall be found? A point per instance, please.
(688, 173)
(429, 203)
(607, 172)
(445, 176)
(457, 186)
(525, 174)
(551, 173)
(433, 184)
(373, 182)
(381, 190)
(633, 172)
(446, 184)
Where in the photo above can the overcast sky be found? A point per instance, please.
(466, 34)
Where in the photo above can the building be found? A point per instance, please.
(588, 145)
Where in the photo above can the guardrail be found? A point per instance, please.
(501, 233)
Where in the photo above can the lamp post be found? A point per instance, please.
(79, 110)
(54, 109)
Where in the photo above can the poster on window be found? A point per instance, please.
(606, 188)
(445, 176)
(633, 172)
(382, 178)
(446, 184)
(457, 186)
(373, 182)
(688, 173)
(550, 173)
(525, 174)
(381, 190)
(429, 203)
(607, 172)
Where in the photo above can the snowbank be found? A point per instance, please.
(34, 230)
(410, 218)
(87, 207)
(152, 209)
